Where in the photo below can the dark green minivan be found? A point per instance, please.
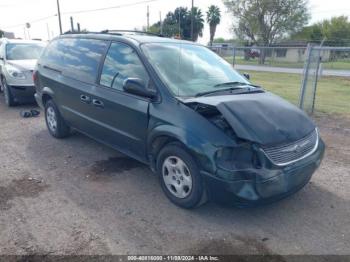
(201, 126)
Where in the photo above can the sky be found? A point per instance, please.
(42, 15)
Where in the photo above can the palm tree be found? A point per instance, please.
(198, 24)
(213, 19)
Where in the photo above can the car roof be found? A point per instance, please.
(138, 38)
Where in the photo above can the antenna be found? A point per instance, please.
(147, 17)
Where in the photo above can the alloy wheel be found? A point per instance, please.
(6, 94)
(51, 119)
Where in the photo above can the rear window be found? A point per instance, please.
(76, 58)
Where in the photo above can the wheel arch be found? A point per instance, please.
(47, 94)
(164, 135)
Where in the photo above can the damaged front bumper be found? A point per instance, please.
(263, 184)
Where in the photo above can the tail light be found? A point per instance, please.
(35, 76)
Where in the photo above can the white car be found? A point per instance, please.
(17, 62)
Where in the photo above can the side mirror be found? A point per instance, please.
(137, 87)
(247, 76)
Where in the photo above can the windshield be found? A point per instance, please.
(23, 51)
(190, 69)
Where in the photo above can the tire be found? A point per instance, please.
(179, 176)
(9, 99)
(54, 121)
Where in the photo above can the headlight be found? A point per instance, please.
(15, 72)
(241, 157)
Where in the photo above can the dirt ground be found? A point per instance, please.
(76, 196)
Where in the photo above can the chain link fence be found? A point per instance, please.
(312, 77)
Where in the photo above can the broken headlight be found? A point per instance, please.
(237, 158)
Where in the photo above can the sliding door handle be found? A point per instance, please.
(97, 103)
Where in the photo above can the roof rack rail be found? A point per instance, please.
(113, 32)
(83, 32)
(119, 32)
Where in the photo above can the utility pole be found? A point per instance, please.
(24, 33)
(180, 25)
(71, 24)
(59, 16)
(48, 31)
(78, 26)
(161, 23)
(192, 21)
(148, 18)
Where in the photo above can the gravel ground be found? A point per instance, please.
(76, 196)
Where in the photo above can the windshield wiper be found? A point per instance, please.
(218, 90)
(235, 83)
(245, 90)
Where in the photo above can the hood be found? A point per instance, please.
(26, 65)
(263, 118)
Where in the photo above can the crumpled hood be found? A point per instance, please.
(261, 117)
(26, 65)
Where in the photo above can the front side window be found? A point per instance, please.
(122, 62)
(23, 51)
(76, 58)
(189, 69)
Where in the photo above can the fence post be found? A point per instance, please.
(316, 81)
(305, 76)
(234, 56)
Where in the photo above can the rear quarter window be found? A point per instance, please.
(76, 58)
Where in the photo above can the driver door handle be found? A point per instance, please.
(85, 99)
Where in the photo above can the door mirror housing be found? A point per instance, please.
(247, 76)
(138, 87)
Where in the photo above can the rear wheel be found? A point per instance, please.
(179, 176)
(54, 121)
(9, 99)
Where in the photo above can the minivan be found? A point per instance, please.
(17, 61)
(202, 127)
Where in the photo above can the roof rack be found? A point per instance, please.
(113, 32)
(120, 32)
(83, 32)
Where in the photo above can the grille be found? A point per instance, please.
(288, 153)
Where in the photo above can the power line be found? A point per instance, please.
(107, 8)
(82, 11)
(330, 11)
(31, 22)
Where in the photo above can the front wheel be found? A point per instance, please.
(9, 99)
(179, 176)
(54, 121)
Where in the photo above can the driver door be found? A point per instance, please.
(122, 118)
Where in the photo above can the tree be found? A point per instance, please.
(198, 24)
(2, 33)
(263, 22)
(311, 33)
(179, 23)
(335, 31)
(213, 19)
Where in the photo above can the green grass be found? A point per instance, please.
(333, 93)
(343, 64)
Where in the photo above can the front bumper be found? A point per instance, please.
(266, 184)
(22, 94)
